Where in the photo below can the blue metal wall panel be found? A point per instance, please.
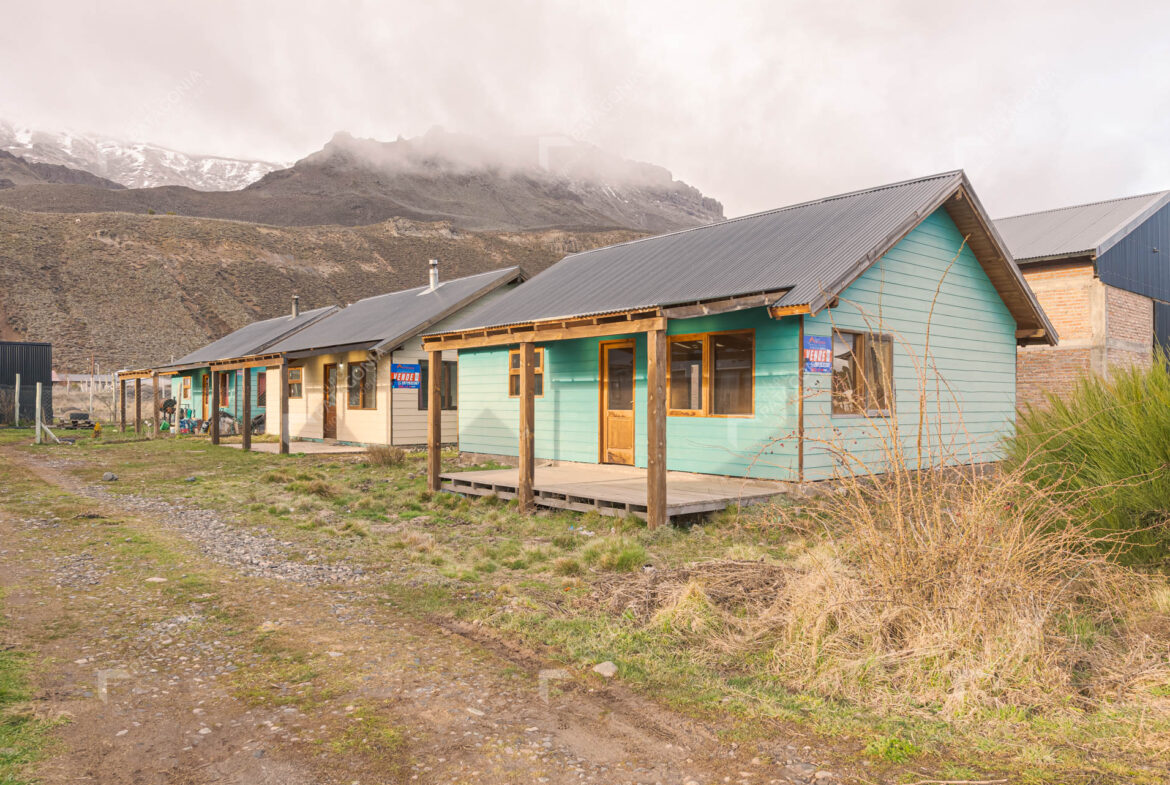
(1141, 261)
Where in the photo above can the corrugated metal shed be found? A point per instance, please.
(254, 338)
(806, 253)
(1079, 230)
(384, 321)
(33, 361)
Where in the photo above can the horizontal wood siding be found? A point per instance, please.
(410, 422)
(567, 416)
(233, 405)
(966, 382)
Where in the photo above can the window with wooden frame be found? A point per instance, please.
(186, 388)
(863, 374)
(711, 374)
(262, 388)
(363, 384)
(296, 382)
(448, 384)
(514, 373)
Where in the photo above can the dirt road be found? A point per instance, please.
(182, 649)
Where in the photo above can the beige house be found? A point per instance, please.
(360, 375)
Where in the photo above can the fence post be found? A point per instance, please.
(17, 395)
(39, 412)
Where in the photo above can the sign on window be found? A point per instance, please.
(818, 354)
(405, 376)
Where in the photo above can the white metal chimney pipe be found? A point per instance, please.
(434, 274)
(296, 311)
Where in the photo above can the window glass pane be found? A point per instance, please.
(262, 388)
(844, 374)
(450, 383)
(879, 364)
(355, 390)
(514, 358)
(686, 374)
(369, 371)
(620, 378)
(514, 384)
(424, 386)
(731, 373)
(538, 384)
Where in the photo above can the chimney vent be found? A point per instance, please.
(434, 274)
(296, 311)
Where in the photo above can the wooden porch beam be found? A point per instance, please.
(434, 421)
(154, 429)
(137, 405)
(780, 311)
(656, 362)
(284, 432)
(262, 361)
(247, 435)
(552, 332)
(213, 379)
(524, 493)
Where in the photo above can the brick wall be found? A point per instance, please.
(1129, 317)
(1100, 327)
(1049, 369)
(1064, 293)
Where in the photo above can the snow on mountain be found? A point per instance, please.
(133, 164)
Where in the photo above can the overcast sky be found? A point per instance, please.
(758, 104)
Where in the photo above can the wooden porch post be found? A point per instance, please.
(138, 406)
(247, 408)
(524, 493)
(434, 420)
(213, 380)
(656, 428)
(122, 405)
(157, 405)
(284, 405)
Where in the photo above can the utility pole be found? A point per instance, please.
(39, 412)
(17, 395)
(91, 382)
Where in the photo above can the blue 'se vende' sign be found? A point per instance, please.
(405, 376)
(818, 354)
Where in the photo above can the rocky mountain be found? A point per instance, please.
(15, 171)
(132, 164)
(499, 184)
(134, 290)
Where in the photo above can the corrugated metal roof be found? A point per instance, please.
(809, 249)
(1078, 230)
(392, 318)
(254, 338)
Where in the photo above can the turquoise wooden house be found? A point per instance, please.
(786, 346)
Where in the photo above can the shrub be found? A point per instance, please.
(1107, 446)
(385, 455)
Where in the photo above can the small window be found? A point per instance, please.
(514, 373)
(186, 388)
(711, 375)
(363, 382)
(686, 376)
(447, 386)
(863, 378)
(296, 382)
(262, 388)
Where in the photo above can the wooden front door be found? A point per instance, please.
(205, 388)
(329, 427)
(617, 402)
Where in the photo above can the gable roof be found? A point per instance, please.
(383, 322)
(802, 255)
(254, 338)
(1080, 230)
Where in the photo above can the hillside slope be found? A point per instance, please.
(134, 290)
(505, 184)
(15, 171)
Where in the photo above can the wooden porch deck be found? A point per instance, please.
(615, 490)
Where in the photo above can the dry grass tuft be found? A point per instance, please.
(385, 455)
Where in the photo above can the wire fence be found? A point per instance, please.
(28, 404)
